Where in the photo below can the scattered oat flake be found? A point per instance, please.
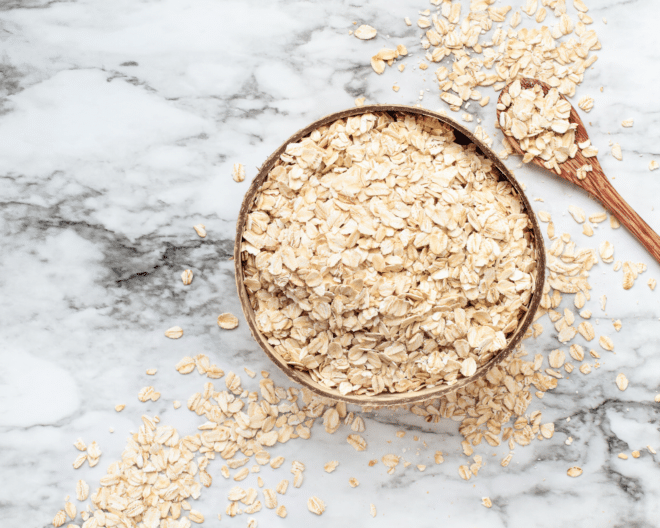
(621, 381)
(329, 467)
(365, 32)
(270, 499)
(652, 283)
(486, 502)
(616, 151)
(196, 516)
(151, 372)
(629, 275)
(505, 461)
(359, 101)
(353, 482)
(238, 172)
(282, 486)
(635, 454)
(439, 459)
(464, 472)
(372, 510)
(281, 511)
(241, 474)
(544, 216)
(82, 490)
(574, 471)
(249, 372)
(606, 343)
(617, 324)
(577, 213)
(606, 250)
(187, 277)
(174, 333)
(200, 229)
(390, 460)
(70, 510)
(316, 505)
(59, 519)
(614, 223)
(627, 123)
(277, 462)
(227, 321)
(586, 103)
(603, 302)
(623, 456)
(653, 165)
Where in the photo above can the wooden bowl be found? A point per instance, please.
(464, 137)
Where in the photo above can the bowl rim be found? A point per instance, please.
(386, 399)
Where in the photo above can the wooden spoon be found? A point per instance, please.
(596, 183)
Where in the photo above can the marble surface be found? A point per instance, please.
(119, 124)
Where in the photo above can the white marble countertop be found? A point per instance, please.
(119, 124)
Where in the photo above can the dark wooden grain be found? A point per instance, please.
(385, 399)
(596, 183)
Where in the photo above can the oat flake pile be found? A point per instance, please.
(380, 255)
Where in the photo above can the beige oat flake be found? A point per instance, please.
(187, 277)
(315, 505)
(586, 103)
(621, 381)
(365, 32)
(82, 490)
(238, 172)
(174, 333)
(329, 467)
(200, 229)
(227, 321)
(359, 443)
(574, 471)
(606, 343)
(59, 519)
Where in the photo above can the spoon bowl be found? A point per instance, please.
(595, 182)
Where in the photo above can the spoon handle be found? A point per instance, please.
(613, 201)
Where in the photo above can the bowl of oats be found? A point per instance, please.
(385, 256)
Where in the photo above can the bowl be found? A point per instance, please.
(464, 137)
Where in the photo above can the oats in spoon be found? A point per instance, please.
(540, 123)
